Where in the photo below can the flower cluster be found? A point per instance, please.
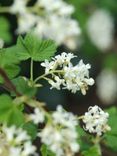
(38, 116)
(107, 86)
(73, 78)
(96, 121)
(59, 6)
(19, 6)
(100, 29)
(53, 22)
(60, 135)
(16, 142)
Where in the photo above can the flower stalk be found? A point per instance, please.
(31, 70)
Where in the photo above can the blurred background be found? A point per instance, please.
(96, 44)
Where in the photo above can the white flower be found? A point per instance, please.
(38, 116)
(16, 142)
(52, 138)
(73, 42)
(77, 77)
(96, 120)
(74, 146)
(53, 22)
(28, 149)
(18, 6)
(26, 22)
(15, 151)
(22, 136)
(48, 66)
(73, 78)
(71, 86)
(9, 132)
(58, 82)
(60, 116)
(61, 135)
(107, 86)
(70, 139)
(100, 29)
(57, 6)
(64, 58)
(56, 31)
(66, 9)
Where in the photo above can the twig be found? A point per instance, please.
(8, 83)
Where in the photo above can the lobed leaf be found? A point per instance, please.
(9, 112)
(45, 151)
(92, 151)
(111, 136)
(23, 86)
(31, 129)
(35, 48)
(8, 62)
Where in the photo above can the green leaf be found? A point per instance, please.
(45, 151)
(23, 86)
(9, 112)
(31, 129)
(111, 136)
(16, 117)
(7, 56)
(112, 120)
(4, 30)
(93, 151)
(22, 51)
(83, 139)
(33, 47)
(111, 142)
(12, 70)
(8, 62)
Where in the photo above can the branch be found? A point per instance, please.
(8, 83)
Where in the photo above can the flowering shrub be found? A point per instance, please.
(22, 113)
(27, 126)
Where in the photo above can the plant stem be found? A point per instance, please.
(4, 9)
(8, 83)
(33, 9)
(11, 87)
(43, 76)
(97, 140)
(80, 117)
(31, 70)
